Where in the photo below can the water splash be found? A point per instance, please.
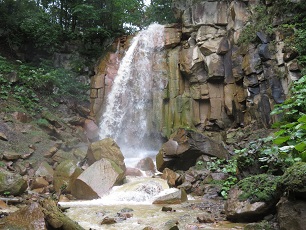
(129, 106)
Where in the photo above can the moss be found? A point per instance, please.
(259, 188)
(42, 122)
(259, 226)
(294, 179)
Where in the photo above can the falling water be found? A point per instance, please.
(128, 114)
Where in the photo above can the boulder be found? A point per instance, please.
(61, 156)
(177, 197)
(91, 129)
(39, 182)
(252, 198)
(291, 214)
(65, 174)
(29, 217)
(11, 156)
(293, 182)
(12, 183)
(183, 149)
(45, 170)
(146, 164)
(133, 172)
(97, 179)
(171, 177)
(106, 148)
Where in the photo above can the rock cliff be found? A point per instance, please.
(211, 81)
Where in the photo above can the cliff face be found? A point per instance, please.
(211, 82)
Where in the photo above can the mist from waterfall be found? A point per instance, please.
(127, 117)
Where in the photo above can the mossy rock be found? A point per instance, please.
(258, 188)
(293, 182)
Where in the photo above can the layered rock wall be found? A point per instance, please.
(212, 82)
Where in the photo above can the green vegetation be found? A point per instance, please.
(225, 166)
(294, 179)
(29, 84)
(259, 188)
(45, 25)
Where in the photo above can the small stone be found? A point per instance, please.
(10, 156)
(166, 209)
(108, 220)
(3, 137)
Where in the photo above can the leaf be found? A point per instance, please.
(281, 140)
(300, 146)
(302, 119)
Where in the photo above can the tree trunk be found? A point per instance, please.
(55, 218)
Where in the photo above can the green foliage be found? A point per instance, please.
(259, 188)
(34, 82)
(226, 166)
(292, 129)
(294, 179)
(159, 12)
(7, 193)
(260, 21)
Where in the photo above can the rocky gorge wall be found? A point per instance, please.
(211, 82)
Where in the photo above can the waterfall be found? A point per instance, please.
(127, 117)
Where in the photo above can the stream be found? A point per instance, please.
(137, 196)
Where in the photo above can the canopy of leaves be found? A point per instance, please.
(45, 24)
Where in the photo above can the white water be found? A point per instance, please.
(130, 103)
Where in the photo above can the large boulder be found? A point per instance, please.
(176, 197)
(12, 183)
(293, 182)
(106, 148)
(291, 214)
(65, 174)
(29, 217)
(97, 179)
(252, 198)
(184, 148)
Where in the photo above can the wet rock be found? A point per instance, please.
(12, 183)
(125, 213)
(30, 217)
(177, 197)
(133, 172)
(108, 149)
(65, 174)
(62, 155)
(97, 179)
(108, 220)
(11, 156)
(166, 209)
(146, 164)
(173, 178)
(206, 218)
(183, 149)
(291, 214)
